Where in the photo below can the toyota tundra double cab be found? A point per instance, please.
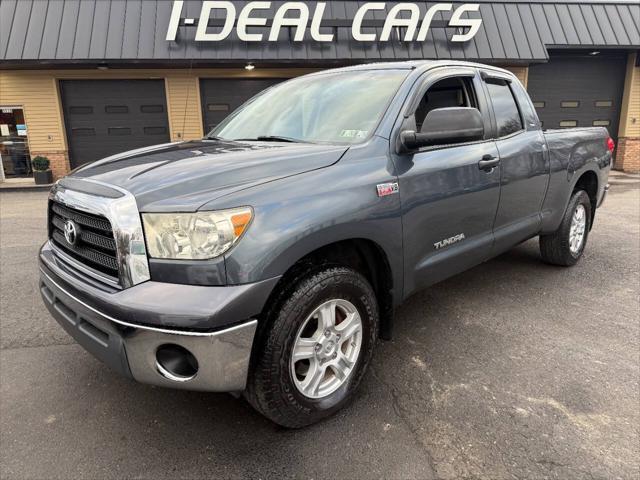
(267, 259)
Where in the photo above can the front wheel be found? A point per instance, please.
(316, 349)
(565, 246)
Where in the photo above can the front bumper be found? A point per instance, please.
(107, 326)
(222, 356)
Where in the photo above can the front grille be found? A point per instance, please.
(95, 245)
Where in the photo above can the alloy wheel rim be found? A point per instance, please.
(326, 348)
(578, 229)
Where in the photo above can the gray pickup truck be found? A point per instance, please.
(267, 259)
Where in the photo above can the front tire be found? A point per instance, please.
(317, 345)
(565, 246)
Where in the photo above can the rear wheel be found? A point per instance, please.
(316, 349)
(565, 246)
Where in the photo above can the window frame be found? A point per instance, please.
(464, 82)
(426, 81)
(487, 76)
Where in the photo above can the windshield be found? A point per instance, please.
(341, 107)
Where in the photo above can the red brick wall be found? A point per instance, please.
(59, 162)
(628, 155)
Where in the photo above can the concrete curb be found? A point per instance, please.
(25, 188)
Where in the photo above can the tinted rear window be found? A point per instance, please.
(505, 107)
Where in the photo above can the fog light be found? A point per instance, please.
(176, 363)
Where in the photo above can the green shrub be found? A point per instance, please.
(40, 164)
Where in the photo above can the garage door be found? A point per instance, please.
(579, 91)
(220, 97)
(104, 117)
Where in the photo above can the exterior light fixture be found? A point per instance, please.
(249, 66)
(594, 53)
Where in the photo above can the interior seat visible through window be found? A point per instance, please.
(448, 92)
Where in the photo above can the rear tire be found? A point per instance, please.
(283, 388)
(565, 246)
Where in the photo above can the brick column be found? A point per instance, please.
(628, 155)
(59, 162)
(628, 149)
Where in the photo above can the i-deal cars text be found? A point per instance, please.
(296, 15)
(268, 257)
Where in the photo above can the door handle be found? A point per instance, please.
(488, 162)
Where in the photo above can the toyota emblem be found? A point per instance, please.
(70, 232)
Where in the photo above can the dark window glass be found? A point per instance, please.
(155, 130)
(81, 110)
(505, 108)
(448, 92)
(116, 109)
(152, 108)
(83, 132)
(119, 131)
(527, 111)
(217, 107)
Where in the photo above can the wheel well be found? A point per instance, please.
(362, 255)
(588, 182)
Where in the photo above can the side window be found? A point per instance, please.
(448, 92)
(527, 110)
(505, 107)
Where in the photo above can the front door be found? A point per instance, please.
(449, 203)
(14, 147)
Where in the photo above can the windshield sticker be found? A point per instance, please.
(354, 133)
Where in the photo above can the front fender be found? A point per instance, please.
(298, 215)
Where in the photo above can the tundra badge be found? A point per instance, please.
(449, 241)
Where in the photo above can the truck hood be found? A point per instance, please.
(184, 176)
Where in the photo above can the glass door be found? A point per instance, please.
(14, 145)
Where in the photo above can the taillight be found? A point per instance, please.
(611, 145)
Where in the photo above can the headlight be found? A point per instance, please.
(194, 236)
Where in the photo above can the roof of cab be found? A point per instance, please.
(418, 65)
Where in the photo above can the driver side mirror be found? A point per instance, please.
(444, 126)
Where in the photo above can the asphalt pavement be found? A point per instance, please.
(514, 369)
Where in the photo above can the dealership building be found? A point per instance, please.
(84, 79)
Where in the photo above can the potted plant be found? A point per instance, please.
(42, 174)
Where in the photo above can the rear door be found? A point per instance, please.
(221, 96)
(524, 161)
(105, 117)
(449, 202)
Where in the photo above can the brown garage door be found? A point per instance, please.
(105, 117)
(220, 96)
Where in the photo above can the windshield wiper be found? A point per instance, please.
(213, 137)
(269, 138)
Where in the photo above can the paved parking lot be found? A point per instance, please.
(514, 369)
